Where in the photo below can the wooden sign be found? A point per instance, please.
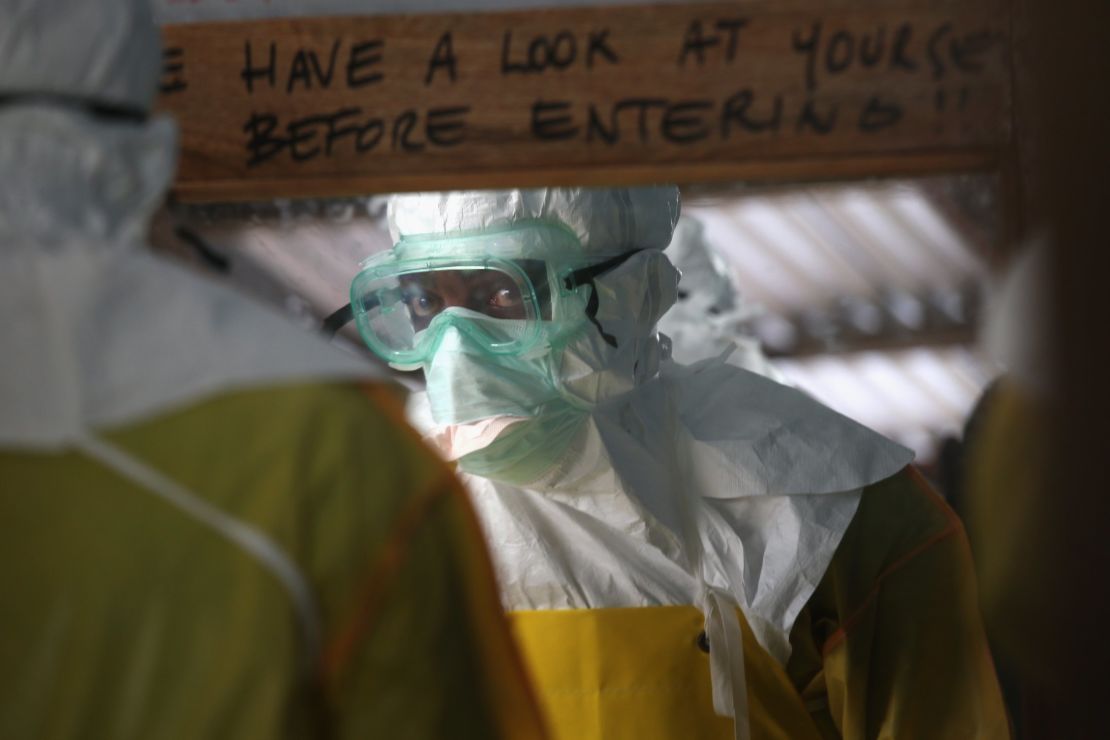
(790, 89)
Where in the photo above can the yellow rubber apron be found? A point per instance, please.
(645, 673)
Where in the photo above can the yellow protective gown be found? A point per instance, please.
(125, 618)
(889, 646)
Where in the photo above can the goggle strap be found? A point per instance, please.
(586, 276)
(337, 321)
(97, 108)
(591, 313)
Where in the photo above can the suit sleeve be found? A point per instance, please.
(909, 656)
(421, 647)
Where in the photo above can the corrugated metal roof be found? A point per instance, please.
(802, 248)
(916, 396)
(834, 265)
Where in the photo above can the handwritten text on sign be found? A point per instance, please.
(330, 104)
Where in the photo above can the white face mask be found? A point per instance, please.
(502, 417)
(466, 384)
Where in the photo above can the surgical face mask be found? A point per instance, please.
(469, 388)
(530, 449)
(467, 383)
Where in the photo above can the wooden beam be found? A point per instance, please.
(756, 91)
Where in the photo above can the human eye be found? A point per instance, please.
(505, 297)
(499, 292)
(423, 303)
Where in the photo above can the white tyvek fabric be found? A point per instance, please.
(708, 319)
(96, 331)
(108, 52)
(778, 477)
(631, 298)
(606, 220)
(679, 485)
(73, 180)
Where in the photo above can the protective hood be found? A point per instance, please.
(605, 220)
(599, 339)
(97, 331)
(710, 317)
(102, 53)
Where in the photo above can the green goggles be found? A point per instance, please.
(401, 308)
(508, 290)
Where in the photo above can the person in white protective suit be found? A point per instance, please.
(212, 524)
(709, 317)
(677, 545)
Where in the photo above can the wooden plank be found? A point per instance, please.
(788, 90)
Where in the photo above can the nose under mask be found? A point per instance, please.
(502, 417)
(467, 384)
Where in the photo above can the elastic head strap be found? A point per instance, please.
(337, 320)
(96, 108)
(586, 276)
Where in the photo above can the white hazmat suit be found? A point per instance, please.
(612, 477)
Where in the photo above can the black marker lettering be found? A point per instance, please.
(877, 115)
(967, 52)
(594, 126)
(808, 46)
(732, 26)
(173, 66)
(298, 70)
(325, 77)
(445, 126)
(364, 55)
(376, 129)
(644, 104)
(811, 119)
(443, 56)
(695, 42)
(304, 131)
(599, 44)
(260, 143)
(250, 73)
(935, 55)
(843, 42)
(735, 110)
(538, 53)
(898, 53)
(552, 127)
(871, 47)
(506, 65)
(563, 50)
(683, 124)
(402, 129)
(335, 133)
